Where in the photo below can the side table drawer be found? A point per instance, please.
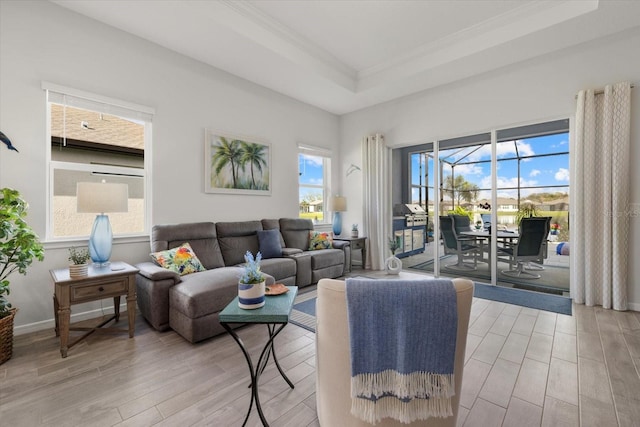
(357, 244)
(101, 290)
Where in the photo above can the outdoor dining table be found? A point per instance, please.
(507, 237)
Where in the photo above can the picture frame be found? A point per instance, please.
(235, 164)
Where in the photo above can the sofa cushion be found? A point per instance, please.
(206, 292)
(269, 241)
(279, 267)
(326, 258)
(295, 232)
(271, 224)
(320, 240)
(181, 260)
(236, 238)
(200, 235)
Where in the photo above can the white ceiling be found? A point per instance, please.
(344, 55)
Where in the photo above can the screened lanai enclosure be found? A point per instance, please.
(494, 211)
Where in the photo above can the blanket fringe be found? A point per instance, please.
(373, 412)
(404, 397)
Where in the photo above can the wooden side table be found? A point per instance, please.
(356, 243)
(115, 280)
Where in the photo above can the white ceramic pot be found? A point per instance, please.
(251, 295)
(78, 270)
(393, 265)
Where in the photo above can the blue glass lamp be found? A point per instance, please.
(100, 198)
(337, 205)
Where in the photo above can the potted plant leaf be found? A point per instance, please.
(79, 258)
(251, 288)
(19, 245)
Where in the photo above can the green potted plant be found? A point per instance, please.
(19, 245)
(251, 287)
(79, 258)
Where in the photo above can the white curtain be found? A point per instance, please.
(376, 173)
(600, 229)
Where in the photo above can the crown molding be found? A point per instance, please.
(266, 31)
(519, 22)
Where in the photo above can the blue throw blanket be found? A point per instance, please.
(403, 342)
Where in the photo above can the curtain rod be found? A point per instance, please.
(601, 91)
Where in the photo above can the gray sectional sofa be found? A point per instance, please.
(190, 303)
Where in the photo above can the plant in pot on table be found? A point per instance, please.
(393, 264)
(79, 258)
(19, 245)
(251, 286)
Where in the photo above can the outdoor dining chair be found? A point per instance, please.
(529, 248)
(461, 246)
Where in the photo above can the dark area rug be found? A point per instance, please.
(524, 298)
(303, 313)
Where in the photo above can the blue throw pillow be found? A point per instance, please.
(269, 241)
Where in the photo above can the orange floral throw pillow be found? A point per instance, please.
(181, 260)
(319, 240)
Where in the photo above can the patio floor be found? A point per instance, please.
(554, 279)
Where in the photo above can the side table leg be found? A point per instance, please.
(254, 379)
(272, 334)
(131, 312)
(55, 314)
(364, 255)
(64, 319)
(116, 307)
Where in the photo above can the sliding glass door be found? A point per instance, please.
(454, 179)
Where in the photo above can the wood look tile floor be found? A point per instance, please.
(523, 367)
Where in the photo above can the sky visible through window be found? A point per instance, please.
(474, 164)
(311, 174)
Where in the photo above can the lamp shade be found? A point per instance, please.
(337, 204)
(102, 197)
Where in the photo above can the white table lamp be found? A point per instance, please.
(100, 198)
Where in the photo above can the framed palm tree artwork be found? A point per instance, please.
(236, 165)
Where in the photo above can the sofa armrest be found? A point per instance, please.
(345, 245)
(286, 252)
(152, 287)
(340, 244)
(303, 268)
(154, 272)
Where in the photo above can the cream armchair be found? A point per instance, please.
(333, 360)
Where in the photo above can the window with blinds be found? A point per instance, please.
(314, 172)
(92, 138)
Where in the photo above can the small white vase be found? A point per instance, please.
(393, 265)
(251, 295)
(78, 270)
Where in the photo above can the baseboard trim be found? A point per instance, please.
(78, 317)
